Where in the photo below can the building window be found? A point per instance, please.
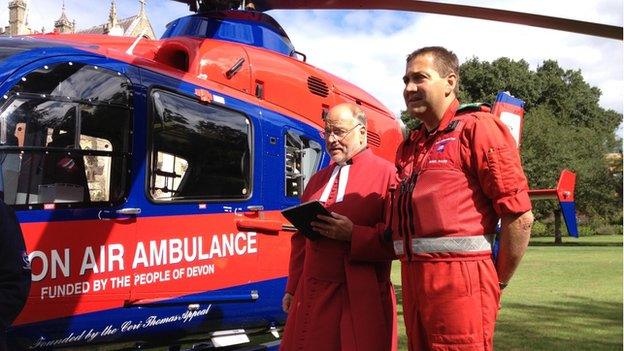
(302, 157)
(65, 137)
(199, 151)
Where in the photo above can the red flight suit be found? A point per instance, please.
(343, 298)
(456, 182)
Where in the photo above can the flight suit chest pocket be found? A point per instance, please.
(436, 201)
(442, 155)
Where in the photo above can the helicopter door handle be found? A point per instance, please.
(264, 226)
(130, 211)
(121, 214)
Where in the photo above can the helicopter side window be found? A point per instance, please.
(199, 151)
(302, 157)
(64, 137)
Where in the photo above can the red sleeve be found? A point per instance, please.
(370, 243)
(490, 152)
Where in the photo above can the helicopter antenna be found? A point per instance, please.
(130, 50)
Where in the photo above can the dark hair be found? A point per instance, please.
(445, 61)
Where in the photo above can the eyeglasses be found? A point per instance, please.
(338, 133)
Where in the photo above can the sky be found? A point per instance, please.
(368, 48)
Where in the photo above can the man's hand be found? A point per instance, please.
(336, 227)
(286, 301)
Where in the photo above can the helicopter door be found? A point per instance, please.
(290, 158)
(199, 180)
(65, 131)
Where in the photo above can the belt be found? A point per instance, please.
(478, 243)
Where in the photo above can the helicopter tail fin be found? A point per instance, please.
(510, 110)
(564, 193)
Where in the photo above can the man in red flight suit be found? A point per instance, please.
(339, 296)
(459, 173)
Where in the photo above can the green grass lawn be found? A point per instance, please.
(566, 297)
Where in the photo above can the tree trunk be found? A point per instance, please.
(558, 240)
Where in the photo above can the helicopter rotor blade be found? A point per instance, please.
(529, 19)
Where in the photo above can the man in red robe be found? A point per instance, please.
(339, 296)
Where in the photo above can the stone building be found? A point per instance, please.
(18, 19)
(63, 25)
(133, 26)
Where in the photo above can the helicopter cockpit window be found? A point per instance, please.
(276, 42)
(302, 157)
(77, 81)
(65, 137)
(199, 151)
(238, 32)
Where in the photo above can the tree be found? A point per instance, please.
(481, 81)
(410, 123)
(564, 127)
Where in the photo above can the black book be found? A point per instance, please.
(302, 215)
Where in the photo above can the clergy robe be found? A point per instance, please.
(343, 297)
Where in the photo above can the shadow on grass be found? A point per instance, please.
(577, 244)
(578, 323)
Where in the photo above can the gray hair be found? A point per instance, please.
(357, 113)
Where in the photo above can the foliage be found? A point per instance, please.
(481, 81)
(540, 229)
(564, 127)
(585, 231)
(410, 123)
(609, 229)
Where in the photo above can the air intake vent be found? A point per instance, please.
(317, 86)
(373, 138)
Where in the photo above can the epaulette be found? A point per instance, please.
(473, 107)
(451, 126)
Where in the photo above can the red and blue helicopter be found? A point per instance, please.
(149, 175)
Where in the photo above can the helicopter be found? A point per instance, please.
(148, 175)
